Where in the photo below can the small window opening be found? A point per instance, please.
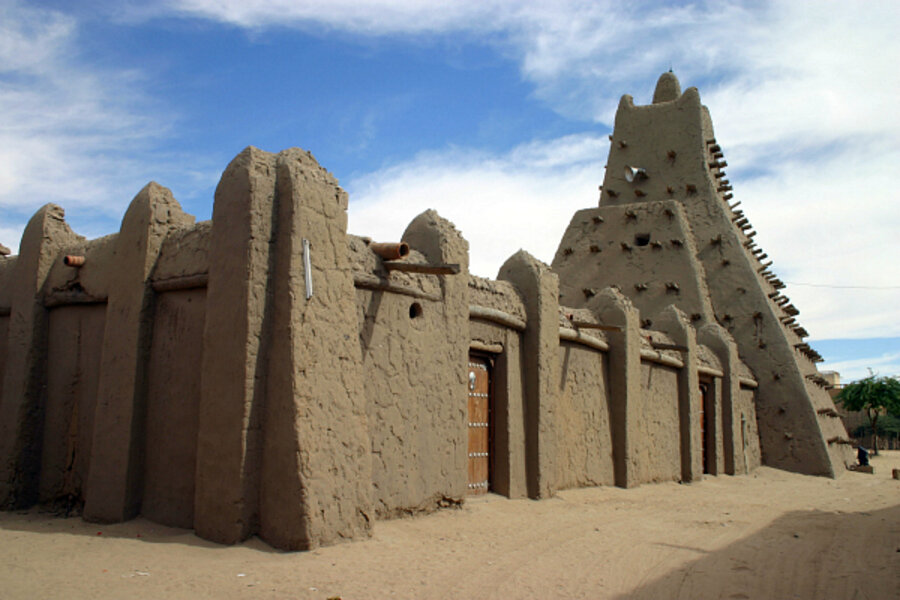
(415, 310)
(641, 239)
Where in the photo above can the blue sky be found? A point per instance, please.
(494, 112)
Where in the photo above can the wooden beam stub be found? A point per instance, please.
(405, 267)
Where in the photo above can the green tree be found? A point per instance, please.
(888, 427)
(874, 395)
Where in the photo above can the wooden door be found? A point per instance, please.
(705, 454)
(479, 423)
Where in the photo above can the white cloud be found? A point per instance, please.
(372, 17)
(833, 222)
(525, 198)
(802, 97)
(11, 233)
(853, 370)
(522, 199)
(582, 54)
(70, 133)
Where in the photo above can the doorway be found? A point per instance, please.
(479, 424)
(706, 431)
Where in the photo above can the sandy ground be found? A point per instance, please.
(768, 535)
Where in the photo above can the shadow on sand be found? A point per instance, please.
(803, 554)
(43, 521)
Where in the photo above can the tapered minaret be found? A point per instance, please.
(668, 231)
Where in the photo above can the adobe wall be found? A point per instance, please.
(415, 394)
(749, 430)
(4, 341)
(87, 284)
(6, 284)
(265, 373)
(106, 365)
(76, 301)
(174, 381)
(24, 376)
(173, 401)
(658, 454)
(74, 350)
(644, 249)
(183, 260)
(584, 447)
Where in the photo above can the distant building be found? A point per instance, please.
(854, 420)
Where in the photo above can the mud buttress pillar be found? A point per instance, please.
(613, 309)
(233, 377)
(721, 343)
(21, 405)
(316, 469)
(539, 288)
(677, 326)
(116, 475)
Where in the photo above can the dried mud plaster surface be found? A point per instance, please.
(315, 401)
(414, 356)
(670, 140)
(584, 449)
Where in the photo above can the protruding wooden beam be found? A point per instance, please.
(600, 326)
(405, 267)
(371, 282)
(664, 346)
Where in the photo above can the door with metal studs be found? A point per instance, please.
(479, 424)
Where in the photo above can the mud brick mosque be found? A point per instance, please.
(267, 373)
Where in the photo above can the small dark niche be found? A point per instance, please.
(415, 310)
(641, 239)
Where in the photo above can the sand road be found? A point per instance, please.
(767, 535)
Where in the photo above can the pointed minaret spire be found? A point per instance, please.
(667, 88)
